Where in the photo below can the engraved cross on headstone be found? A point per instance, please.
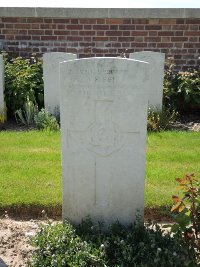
(103, 136)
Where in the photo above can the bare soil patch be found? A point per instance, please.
(11, 125)
(15, 250)
(15, 235)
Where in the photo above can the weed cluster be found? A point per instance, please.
(158, 120)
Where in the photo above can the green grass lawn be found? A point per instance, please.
(169, 155)
(31, 166)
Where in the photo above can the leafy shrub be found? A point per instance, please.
(45, 121)
(135, 245)
(181, 89)
(23, 80)
(158, 120)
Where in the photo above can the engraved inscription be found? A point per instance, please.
(95, 94)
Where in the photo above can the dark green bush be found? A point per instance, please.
(182, 89)
(129, 246)
(23, 82)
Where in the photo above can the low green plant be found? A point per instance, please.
(59, 245)
(135, 245)
(26, 115)
(158, 120)
(186, 210)
(45, 121)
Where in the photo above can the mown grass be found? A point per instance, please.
(169, 155)
(31, 167)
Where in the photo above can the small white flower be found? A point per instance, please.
(29, 234)
(159, 249)
(174, 254)
(102, 246)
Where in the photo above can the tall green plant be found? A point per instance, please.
(26, 115)
(23, 80)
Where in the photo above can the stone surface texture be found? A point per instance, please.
(156, 61)
(47, 12)
(103, 117)
(51, 79)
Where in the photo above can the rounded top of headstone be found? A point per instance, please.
(62, 55)
(103, 59)
(147, 54)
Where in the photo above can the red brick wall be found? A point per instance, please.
(178, 38)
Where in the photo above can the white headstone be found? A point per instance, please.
(103, 118)
(156, 61)
(51, 79)
(2, 103)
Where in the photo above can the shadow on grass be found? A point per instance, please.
(32, 211)
(36, 211)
